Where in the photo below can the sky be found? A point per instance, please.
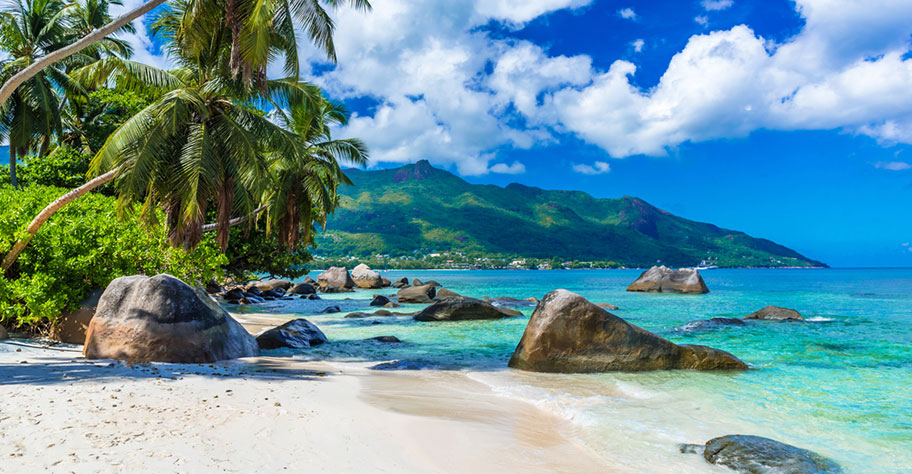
(788, 120)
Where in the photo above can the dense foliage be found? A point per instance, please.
(418, 211)
(84, 247)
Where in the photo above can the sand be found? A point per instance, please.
(62, 413)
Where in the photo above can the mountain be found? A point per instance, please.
(420, 208)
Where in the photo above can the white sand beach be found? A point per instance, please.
(62, 413)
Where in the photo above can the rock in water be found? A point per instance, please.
(391, 304)
(665, 280)
(296, 334)
(568, 334)
(71, 327)
(379, 300)
(385, 283)
(445, 293)
(757, 455)
(387, 339)
(335, 277)
(607, 306)
(417, 282)
(712, 323)
(776, 313)
(234, 294)
(417, 294)
(303, 289)
(162, 319)
(401, 283)
(366, 278)
(460, 308)
(331, 309)
(510, 302)
(267, 285)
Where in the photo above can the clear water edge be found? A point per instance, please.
(838, 384)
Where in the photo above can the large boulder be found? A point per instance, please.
(335, 277)
(268, 285)
(366, 278)
(758, 455)
(460, 308)
(296, 334)
(776, 313)
(303, 289)
(666, 280)
(417, 294)
(162, 319)
(71, 327)
(568, 334)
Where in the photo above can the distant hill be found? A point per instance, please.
(421, 208)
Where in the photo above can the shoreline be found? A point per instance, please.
(265, 414)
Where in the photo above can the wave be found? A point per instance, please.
(819, 319)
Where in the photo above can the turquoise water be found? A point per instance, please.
(838, 384)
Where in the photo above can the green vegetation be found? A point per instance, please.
(418, 216)
(194, 155)
(85, 247)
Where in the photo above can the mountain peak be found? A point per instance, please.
(422, 169)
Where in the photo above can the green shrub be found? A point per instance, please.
(82, 247)
(65, 167)
(251, 252)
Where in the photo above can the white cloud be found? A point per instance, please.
(893, 166)
(627, 13)
(144, 50)
(716, 5)
(702, 20)
(599, 167)
(638, 44)
(503, 168)
(518, 12)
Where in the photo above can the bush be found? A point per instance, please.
(65, 167)
(251, 252)
(82, 247)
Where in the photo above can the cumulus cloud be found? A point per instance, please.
(638, 44)
(716, 5)
(599, 167)
(503, 168)
(893, 166)
(627, 13)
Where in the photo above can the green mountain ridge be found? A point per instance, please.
(417, 209)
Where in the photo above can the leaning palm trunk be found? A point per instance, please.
(49, 211)
(33, 69)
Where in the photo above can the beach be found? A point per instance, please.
(62, 413)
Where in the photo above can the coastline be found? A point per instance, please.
(266, 414)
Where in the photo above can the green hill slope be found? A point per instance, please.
(418, 209)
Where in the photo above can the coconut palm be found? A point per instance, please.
(304, 186)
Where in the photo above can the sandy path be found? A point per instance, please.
(61, 413)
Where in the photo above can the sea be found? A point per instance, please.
(839, 384)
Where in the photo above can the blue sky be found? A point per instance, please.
(790, 120)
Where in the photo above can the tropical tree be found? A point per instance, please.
(304, 188)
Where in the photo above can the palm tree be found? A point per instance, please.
(304, 186)
(85, 16)
(207, 93)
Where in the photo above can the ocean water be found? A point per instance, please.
(839, 384)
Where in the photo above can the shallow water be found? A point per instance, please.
(838, 384)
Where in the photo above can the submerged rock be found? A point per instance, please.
(379, 300)
(417, 294)
(776, 313)
(303, 289)
(335, 277)
(712, 323)
(71, 327)
(461, 308)
(162, 319)
(758, 455)
(568, 334)
(366, 278)
(296, 334)
(665, 280)
(387, 339)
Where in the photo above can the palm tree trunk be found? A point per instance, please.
(48, 211)
(29, 72)
(13, 166)
(236, 220)
(45, 144)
